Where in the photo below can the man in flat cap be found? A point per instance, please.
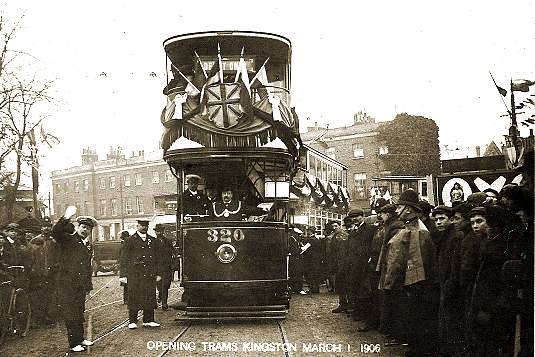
(74, 283)
(141, 270)
(193, 201)
(447, 240)
(416, 272)
(359, 240)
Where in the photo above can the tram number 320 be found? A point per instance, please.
(225, 235)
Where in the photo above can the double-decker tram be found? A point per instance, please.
(232, 141)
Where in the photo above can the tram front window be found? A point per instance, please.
(231, 209)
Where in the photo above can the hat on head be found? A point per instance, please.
(491, 190)
(348, 221)
(124, 234)
(481, 211)
(442, 210)
(297, 230)
(46, 222)
(13, 227)
(425, 206)
(87, 220)
(409, 198)
(476, 198)
(143, 222)
(159, 228)
(355, 212)
(193, 177)
(388, 208)
(462, 208)
(380, 202)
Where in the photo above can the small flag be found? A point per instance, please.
(190, 88)
(502, 91)
(521, 85)
(241, 72)
(260, 81)
(199, 74)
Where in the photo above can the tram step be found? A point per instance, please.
(227, 318)
(236, 313)
(237, 308)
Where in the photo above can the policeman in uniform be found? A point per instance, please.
(74, 273)
(193, 201)
(140, 268)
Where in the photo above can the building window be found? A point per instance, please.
(424, 189)
(139, 204)
(168, 176)
(126, 179)
(155, 177)
(102, 207)
(358, 151)
(383, 150)
(139, 180)
(128, 206)
(112, 181)
(86, 185)
(102, 183)
(113, 206)
(86, 207)
(331, 152)
(360, 191)
(66, 186)
(76, 186)
(58, 188)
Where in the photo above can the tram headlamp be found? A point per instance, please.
(226, 253)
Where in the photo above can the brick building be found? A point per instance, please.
(357, 148)
(116, 191)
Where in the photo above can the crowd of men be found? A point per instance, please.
(444, 281)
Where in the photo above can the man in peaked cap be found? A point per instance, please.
(418, 278)
(193, 201)
(74, 283)
(141, 270)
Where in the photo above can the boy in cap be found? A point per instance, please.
(74, 273)
(141, 270)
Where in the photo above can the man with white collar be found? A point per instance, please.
(74, 273)
(229, 209)
(141, 270)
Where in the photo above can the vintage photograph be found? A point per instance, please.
(266, 179)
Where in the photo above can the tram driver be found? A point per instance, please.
(230, 209)
(193, 201)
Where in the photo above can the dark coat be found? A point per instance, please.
(448, 245)
(359, 242)
(140, 265)
(313, 260)
(193, 204)
(74, 270)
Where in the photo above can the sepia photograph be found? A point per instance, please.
(267, 178)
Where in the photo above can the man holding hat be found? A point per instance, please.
(193, 201)
(74, 282)
(141, 270)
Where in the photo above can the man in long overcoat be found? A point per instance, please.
(141, 270)
(74, 273)
(359, 240)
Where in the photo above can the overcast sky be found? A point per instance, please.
(385, 57)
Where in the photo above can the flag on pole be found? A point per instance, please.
(190, 87)
(241, 72)
(260, 81)
(199, 73)
(521, 85)
(220, 63)
(502, 91)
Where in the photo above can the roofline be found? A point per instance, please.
(201, 34)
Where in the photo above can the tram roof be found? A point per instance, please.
(204, 155)
(262, 44)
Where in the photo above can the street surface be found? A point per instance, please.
(309, 330)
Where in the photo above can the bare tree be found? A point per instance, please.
(22, 96)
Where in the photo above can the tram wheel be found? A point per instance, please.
(22, 313)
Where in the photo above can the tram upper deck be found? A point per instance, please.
(228, 89)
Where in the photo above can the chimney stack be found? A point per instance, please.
(478, 151)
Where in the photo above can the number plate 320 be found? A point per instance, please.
(225, 235)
